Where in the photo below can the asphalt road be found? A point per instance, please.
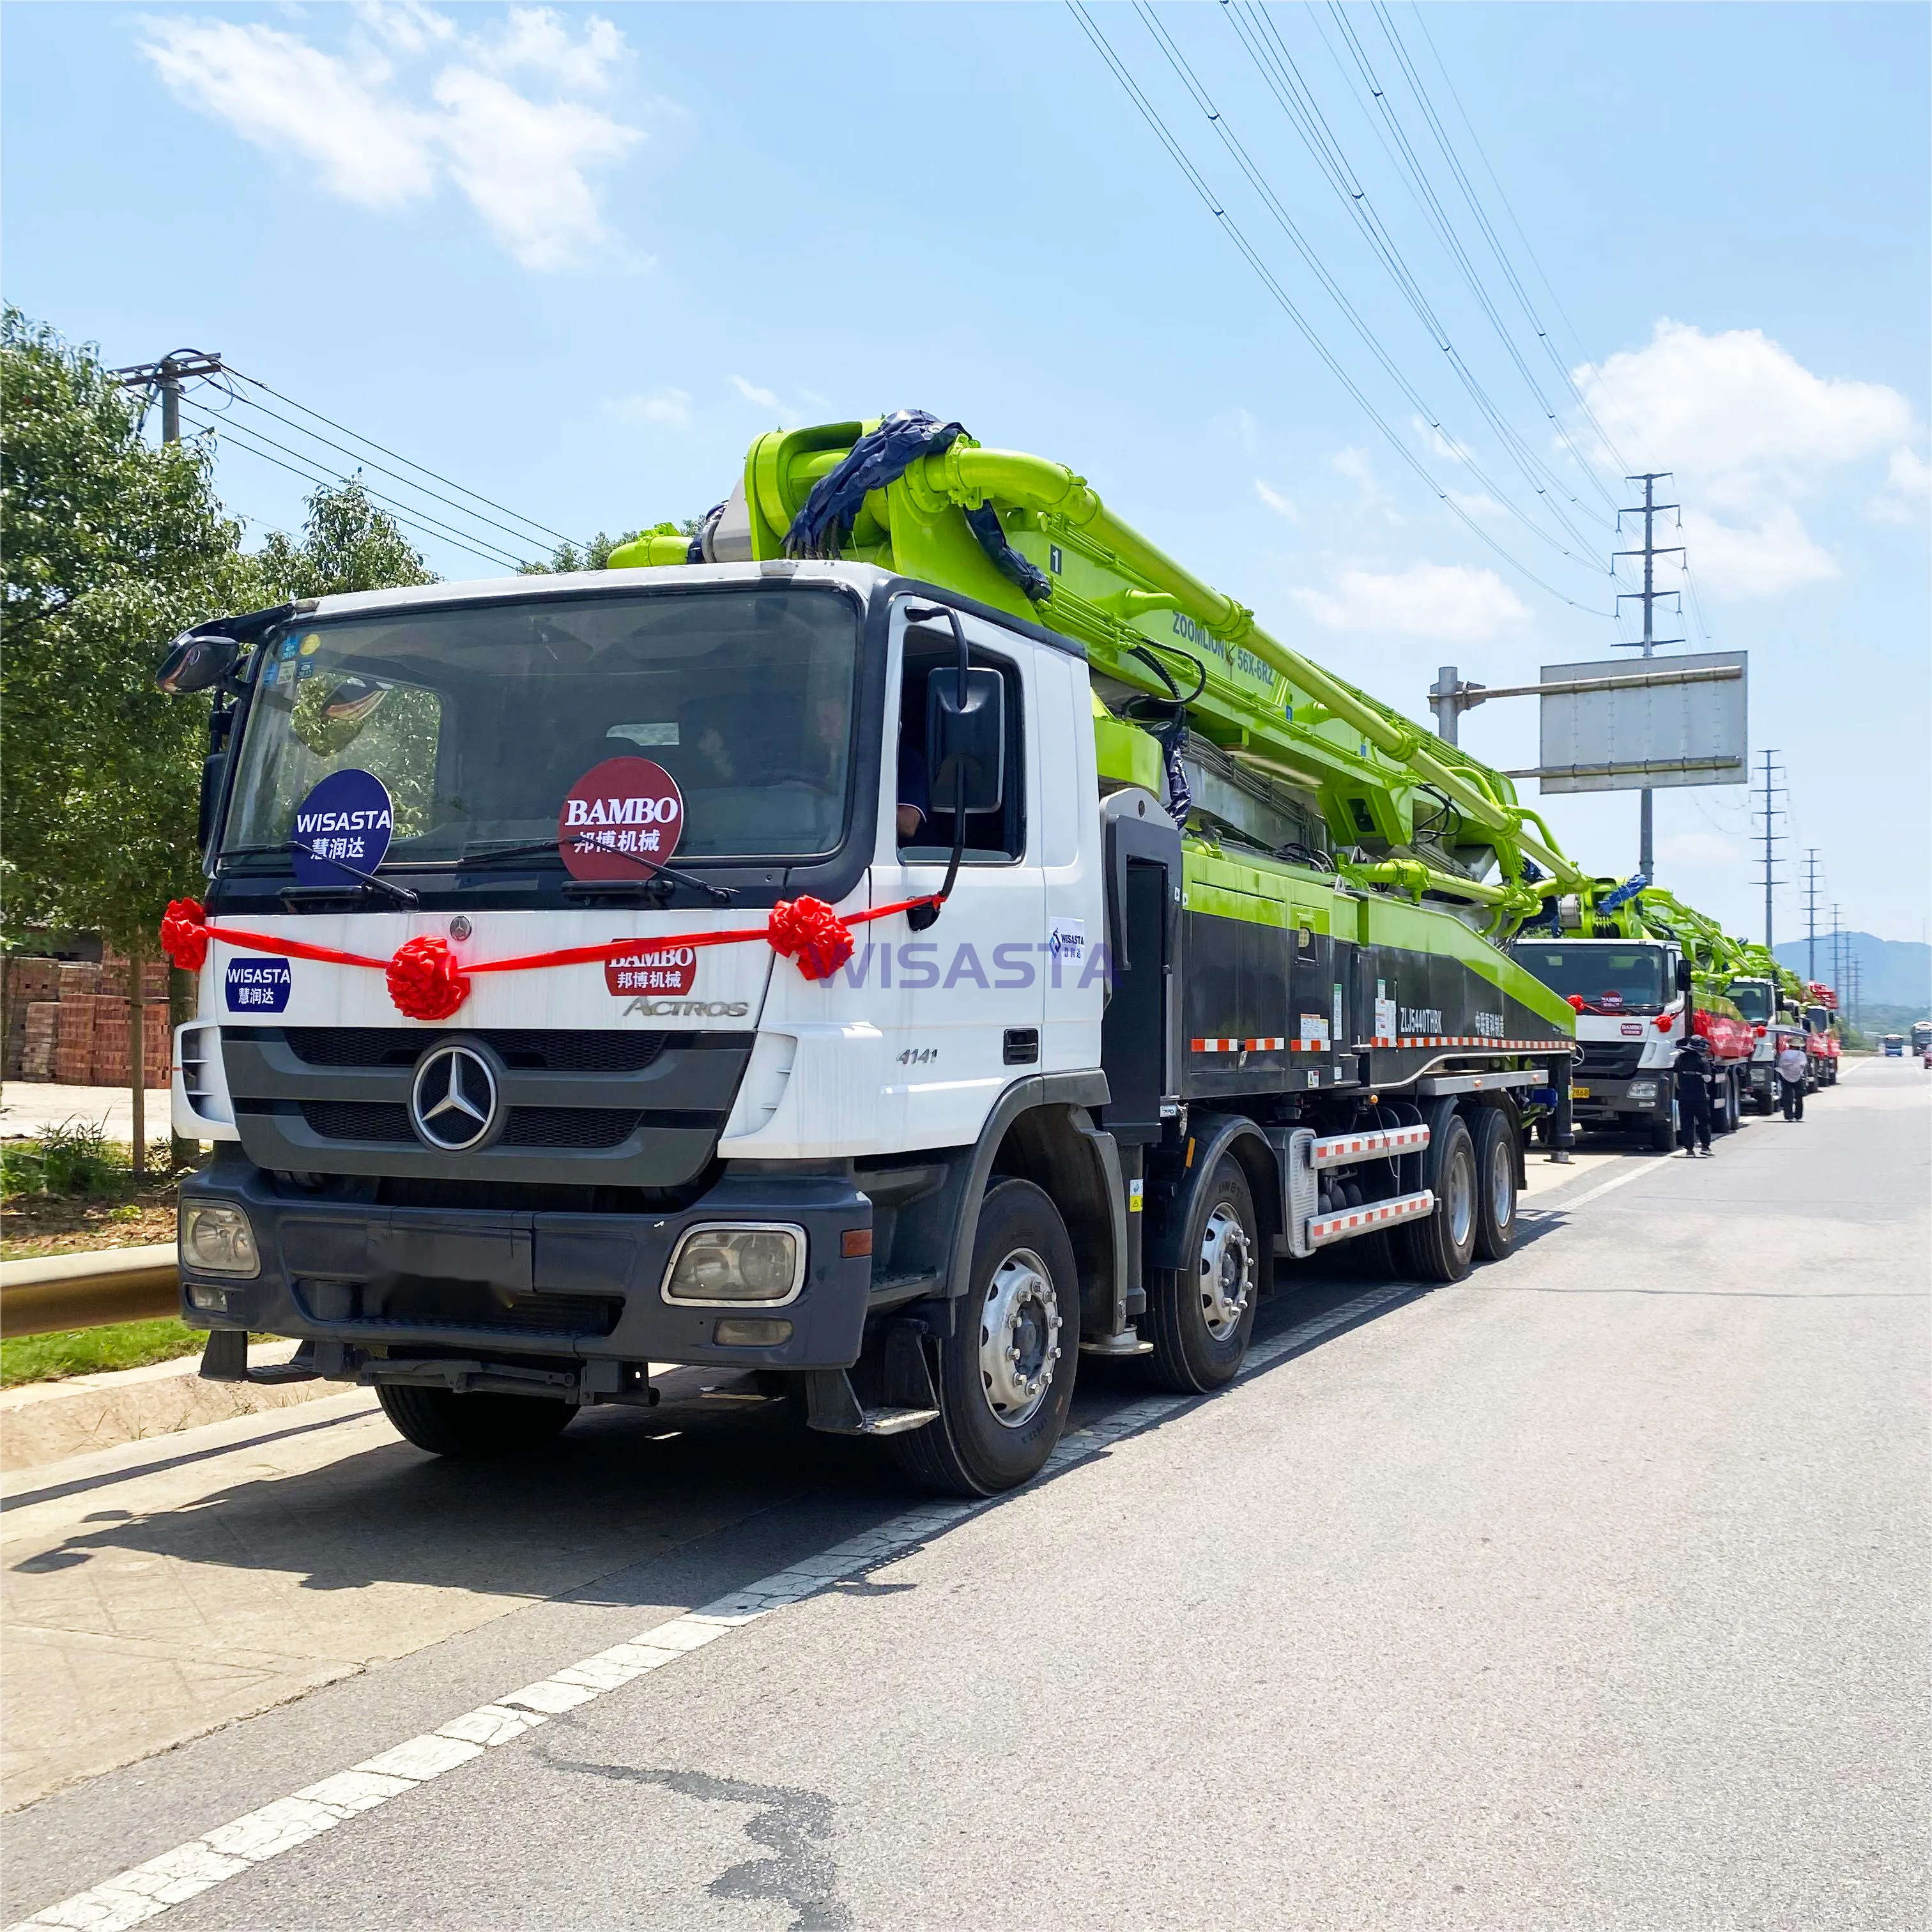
(1588, 1593)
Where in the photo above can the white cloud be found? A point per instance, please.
(1749, 432)
(1450, 602)
(1436, 442)
(787, 417)
(668, 408)
(522, 163)
(1908, 486)
(281, 93)
(385, 139)
(1354, 463)
(1280, 504)
(1477, 503)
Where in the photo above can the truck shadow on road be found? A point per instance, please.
(592, 1516)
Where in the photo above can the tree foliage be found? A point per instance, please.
(112, 547)
(595, 555)
(347, 543)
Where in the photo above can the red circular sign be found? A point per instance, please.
(668, 969)
(620, 812)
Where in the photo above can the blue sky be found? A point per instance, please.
(574, 259)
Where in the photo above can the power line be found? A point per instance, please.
(405, 514)
(362, 462)
(1232, 229)
(1482, 222)
(1811, 912)
(1218, 121)
(256, 382)
(1268, 53)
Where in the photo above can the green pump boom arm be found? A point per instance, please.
(1267, 706)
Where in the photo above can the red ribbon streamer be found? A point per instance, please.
(426, 982)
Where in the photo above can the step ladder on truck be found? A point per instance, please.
(906, 937)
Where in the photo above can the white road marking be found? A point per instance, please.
(134, 1896)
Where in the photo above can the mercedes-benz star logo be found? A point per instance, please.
(453, 1102)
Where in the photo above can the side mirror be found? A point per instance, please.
(967, 735)
(197, 663)
(1684, 975)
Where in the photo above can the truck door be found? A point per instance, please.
(962, 1002)
(1143, 851)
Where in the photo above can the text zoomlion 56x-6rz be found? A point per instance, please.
(909, 935)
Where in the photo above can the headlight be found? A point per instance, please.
(1643, 1090)
(742, 1261)
(217, 1239)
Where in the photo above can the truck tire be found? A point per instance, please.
(1201, 1314)
(1496, 1189)
(1443, 1247)
(1006, 1376)
(1733, 1117)
(1663, 1131)
(479, 1424)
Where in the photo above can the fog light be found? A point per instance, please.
(747, 1331)
(209, 1300)
(1643, 1090)
(745, 1261)
(216, 1238)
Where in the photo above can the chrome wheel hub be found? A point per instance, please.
(1461, 1205)
(1227, 1273)
(1502, 1204)
(1019, 1338)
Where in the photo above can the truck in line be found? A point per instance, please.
(907, 937)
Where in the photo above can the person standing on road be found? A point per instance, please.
(1691, 1071)
(1791, 1072)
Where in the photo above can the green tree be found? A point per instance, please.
(346, 544)
(111, 547)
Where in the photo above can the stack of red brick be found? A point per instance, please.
(68, 1021)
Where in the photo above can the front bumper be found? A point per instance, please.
(1597, 1100)
(363, 1281)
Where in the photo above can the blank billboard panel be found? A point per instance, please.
(1641, 723)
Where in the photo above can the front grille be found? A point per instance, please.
(1610, 1059)
(357, 1119)
(549, 1051)
(568, 1126)
(417, 1301)
(587, 1127)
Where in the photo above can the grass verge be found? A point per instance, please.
(85, 1351)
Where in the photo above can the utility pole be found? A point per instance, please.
(1837, 960)
(1811, 912)
(1650, 640)
(1772, 837)
(164, 378)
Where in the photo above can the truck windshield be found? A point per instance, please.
(479, 720)
(1753, 998)
(1628, 979)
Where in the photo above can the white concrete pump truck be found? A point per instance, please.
(908, 935)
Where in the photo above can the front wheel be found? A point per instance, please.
(1006, 1376)
(1496, 1172)
(1443, 1247)
(1202, 1313)
(478, 1423)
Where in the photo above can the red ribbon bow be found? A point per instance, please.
(427, 983)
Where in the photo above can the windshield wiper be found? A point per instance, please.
(718, 895)
(401, 895)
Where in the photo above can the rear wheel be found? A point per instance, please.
(1006, 1377)
(1663, 1131)
(1496, 1173)
(479, 1423)
(1201, 1314)
(1443, 1247)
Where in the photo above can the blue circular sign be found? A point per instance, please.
(347, 818)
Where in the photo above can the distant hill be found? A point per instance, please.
(1891, 972)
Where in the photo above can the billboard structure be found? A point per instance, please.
(1610, 725)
